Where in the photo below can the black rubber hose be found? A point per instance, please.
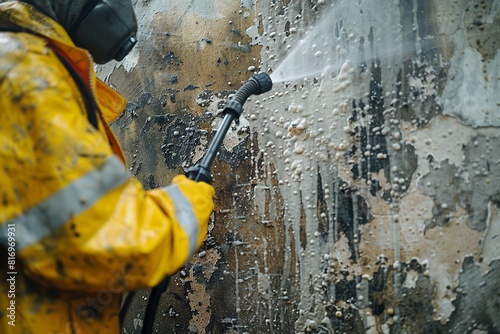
(258, 84)
(248, 89)
(124, 309)
(152, 306)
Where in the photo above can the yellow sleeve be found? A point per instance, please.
(81, 221)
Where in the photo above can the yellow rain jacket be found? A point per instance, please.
(76, 230)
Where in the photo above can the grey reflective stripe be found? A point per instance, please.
(43, 219)
(185, 215)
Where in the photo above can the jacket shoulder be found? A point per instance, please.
(14, 47)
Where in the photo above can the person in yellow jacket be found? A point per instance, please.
(76, 229)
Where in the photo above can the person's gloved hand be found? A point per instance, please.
(200, 194)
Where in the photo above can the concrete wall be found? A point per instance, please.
(362, 199)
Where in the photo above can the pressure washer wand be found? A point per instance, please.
(256, 85)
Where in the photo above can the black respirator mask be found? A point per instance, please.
(107, 29)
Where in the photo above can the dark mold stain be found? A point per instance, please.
(302, 227)
(322, 209)
(171, 59)
(407, 161)
(420, 106)
(348, 207)
(151, 183)
(180, 137)
(137, 110)
(160, 120)
(349, 322)
(191, 87)
(237, 156)
(171, 94)
(371, 142)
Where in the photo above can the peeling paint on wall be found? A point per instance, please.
(360, 195)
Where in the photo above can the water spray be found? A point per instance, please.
(258, 84)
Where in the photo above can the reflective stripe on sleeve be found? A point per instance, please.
(43, 219)
(185, 215)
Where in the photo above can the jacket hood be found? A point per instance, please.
(64, 12)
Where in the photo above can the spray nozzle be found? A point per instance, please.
(264, 82)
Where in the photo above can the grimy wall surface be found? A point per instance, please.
(360, 195)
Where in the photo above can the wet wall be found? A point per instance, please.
(360, 195)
